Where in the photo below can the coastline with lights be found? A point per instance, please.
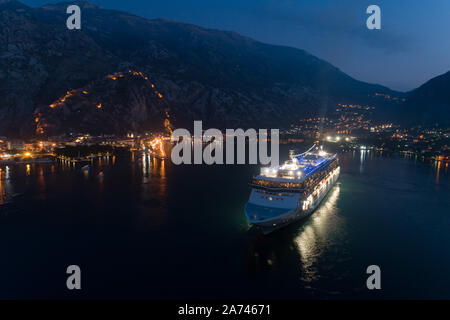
(79, 148)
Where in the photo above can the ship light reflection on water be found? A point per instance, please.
(312, 240)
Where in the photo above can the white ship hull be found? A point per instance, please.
(288, 208)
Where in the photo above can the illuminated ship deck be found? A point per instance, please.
(297, 169)
(282, 194)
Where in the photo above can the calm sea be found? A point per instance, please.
(145, 228)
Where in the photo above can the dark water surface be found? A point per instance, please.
(150, 229)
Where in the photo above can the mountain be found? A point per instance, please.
(220, 77)
(39, 62)
(118, 103)
(430, 103)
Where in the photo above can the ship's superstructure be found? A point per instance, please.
(291, 191)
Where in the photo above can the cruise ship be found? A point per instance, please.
(289, 192)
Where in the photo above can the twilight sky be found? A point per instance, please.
(412, 46)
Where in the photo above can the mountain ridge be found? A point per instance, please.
(430, 103)
(217, 76)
